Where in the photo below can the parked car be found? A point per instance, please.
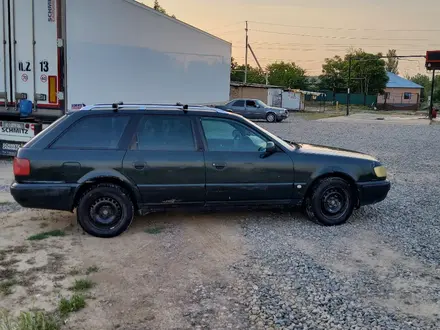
(110, 162)
(255, 109)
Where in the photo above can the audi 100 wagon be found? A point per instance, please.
(111, 162)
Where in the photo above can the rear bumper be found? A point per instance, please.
(44, 196)
(373, 192)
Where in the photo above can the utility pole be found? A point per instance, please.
(431, 102)
(246, 55)
(266, 74)
(348, 86)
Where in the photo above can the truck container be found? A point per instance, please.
(59, 55)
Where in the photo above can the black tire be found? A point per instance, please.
(105, 210)
(271, 117)
(331, 202)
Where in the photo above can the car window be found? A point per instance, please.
(251, 104)
(238, 104)
(173, 133)
(229, 135)
(94, 132)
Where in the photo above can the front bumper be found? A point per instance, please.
(283, 115)
(51, 196)
(373, 192)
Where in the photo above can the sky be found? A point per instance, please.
(308, 31)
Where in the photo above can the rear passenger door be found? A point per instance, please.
(239, 107)
(165, 161)
(94, 143)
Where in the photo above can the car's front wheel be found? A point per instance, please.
(331, 202)
(105, 211)
(271, 117)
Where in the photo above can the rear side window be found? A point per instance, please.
(165, 133)
(238, 104)
(94, 132)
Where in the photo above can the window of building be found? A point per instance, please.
(407, 96)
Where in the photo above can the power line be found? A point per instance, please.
(333, 44)
(338, 37)
(327, 48)
(226, 26)
(345, 29)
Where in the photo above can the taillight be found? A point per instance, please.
(22, 166)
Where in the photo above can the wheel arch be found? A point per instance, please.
(333, 173)
(94, 179)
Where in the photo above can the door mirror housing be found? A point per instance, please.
(271, 148)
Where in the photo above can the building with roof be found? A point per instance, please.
(400, 94)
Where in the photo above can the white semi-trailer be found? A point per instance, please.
(59, 55)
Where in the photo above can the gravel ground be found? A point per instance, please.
(381, 270)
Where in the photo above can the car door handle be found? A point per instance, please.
(219, 165)
(139, 165)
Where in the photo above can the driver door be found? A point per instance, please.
(252, 110)
(236, 172)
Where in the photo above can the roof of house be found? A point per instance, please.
(242, 84)
(396, 81)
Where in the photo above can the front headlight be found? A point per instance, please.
(380, 171)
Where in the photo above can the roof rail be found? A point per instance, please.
(143, 106)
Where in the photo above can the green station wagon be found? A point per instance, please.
(110, 162)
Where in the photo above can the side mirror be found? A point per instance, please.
(257, 106)
(271, 148)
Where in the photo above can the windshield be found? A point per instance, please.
(272, 136)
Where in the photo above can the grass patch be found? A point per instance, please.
(154, 230)
(82, 285)
(92, 269)
(74, 304)
(6, 287)
(38, 320)
(41, 236)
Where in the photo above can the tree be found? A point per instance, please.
(333, 75)
(160, 9)
(392, 63)
(254, 76)
(426, 82)
(368, 75)
(287, 75)
(368, 72)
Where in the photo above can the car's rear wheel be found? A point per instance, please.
(105, 210)
(331, 202)
(271, 118)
